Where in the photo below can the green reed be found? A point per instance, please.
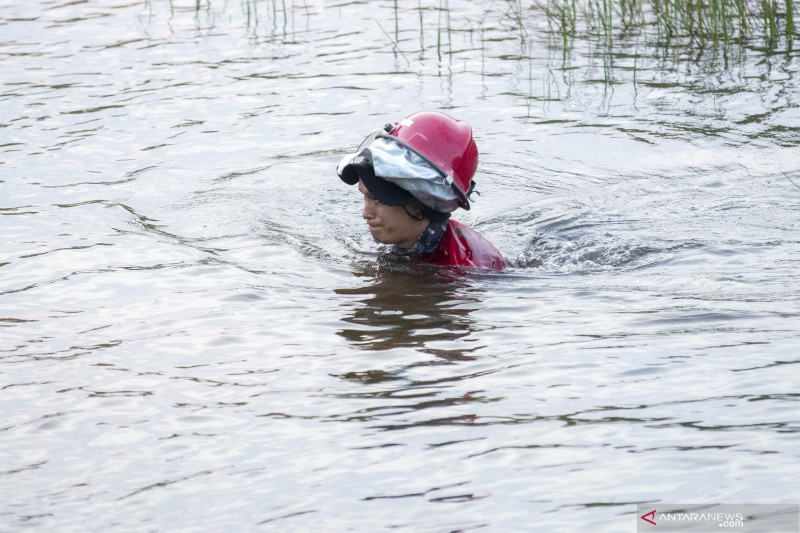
(704, 22)
(518, 16)
(444, 10)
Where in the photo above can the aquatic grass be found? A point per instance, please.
(769, 14)
(250, 8)
(701, 22)
(518, 15)
(444, 10)
(790, 179)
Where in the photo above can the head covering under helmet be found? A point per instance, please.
(429, 155)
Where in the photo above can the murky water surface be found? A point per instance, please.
(195, 334)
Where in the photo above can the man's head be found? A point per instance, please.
(420, 168)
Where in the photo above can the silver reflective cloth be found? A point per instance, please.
(395, 163)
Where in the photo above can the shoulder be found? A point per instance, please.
(462, 245)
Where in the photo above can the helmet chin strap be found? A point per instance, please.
(472, 189)
(419, 218)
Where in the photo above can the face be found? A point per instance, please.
(390, 224)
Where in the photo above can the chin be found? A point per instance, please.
(378, 235)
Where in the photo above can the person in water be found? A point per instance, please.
(413, 175)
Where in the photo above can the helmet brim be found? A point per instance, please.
(395, 161)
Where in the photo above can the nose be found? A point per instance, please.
(368, 211)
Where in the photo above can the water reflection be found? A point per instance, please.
(419, 307)
(428, 310)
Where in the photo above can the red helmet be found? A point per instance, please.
(445, 141)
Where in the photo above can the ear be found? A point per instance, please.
(415, 211)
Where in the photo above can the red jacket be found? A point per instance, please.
(463, 246)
